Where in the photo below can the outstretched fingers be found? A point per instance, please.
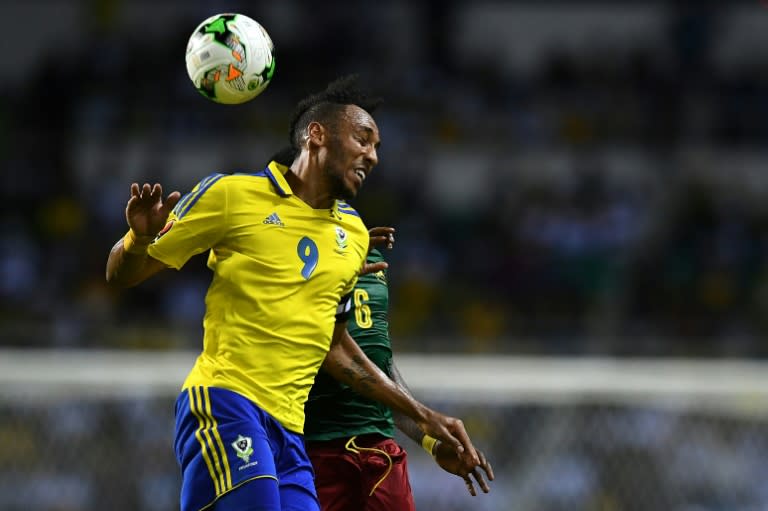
(170, 202)
(470, 486)
(156, 192)
(150, 195)
(146, 211)
(478, 474)
(487, 468)
(382, 241)
(381, 231)
(475, 476)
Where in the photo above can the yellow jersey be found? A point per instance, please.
(282, 271)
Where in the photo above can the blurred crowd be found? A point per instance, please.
(564, 178)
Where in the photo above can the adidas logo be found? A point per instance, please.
(273, 219)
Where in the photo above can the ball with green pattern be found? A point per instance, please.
(230, 58)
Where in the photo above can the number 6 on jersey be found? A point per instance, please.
(308, 253)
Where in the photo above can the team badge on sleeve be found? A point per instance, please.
(164, 230)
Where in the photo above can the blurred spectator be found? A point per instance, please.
(565, 178)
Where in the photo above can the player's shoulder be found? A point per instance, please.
(217, 187)
(243, 182)
(228, 179)
(346, 209)
(254, 178)
(348, 214)
(351, 219)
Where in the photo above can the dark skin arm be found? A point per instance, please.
(146, 213)
(347, 363)
(445, 456)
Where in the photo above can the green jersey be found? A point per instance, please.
(336, 411)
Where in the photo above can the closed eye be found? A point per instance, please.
(365, 139)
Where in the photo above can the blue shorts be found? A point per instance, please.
(223, 441)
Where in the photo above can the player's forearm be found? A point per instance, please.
(126, 269)
(402, 421)
(348, 364)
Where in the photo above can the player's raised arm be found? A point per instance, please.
(146, 212)
(348, 363)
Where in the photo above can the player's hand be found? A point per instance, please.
(450, 430)
(380, 237)
(450, 461)
(146, 211)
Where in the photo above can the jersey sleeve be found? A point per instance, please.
(196, 224)
(344, 308)
(361, 239)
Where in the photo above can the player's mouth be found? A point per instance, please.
(361, 175)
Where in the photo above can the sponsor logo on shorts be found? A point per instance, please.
(243, 447)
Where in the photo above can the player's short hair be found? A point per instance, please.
(325, 106)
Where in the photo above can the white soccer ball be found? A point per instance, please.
(230, 58)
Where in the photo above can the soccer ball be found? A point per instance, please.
(230, 58)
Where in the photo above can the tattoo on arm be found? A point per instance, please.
(397, 377)
(366, 381)
(402, 421)
(358, 377)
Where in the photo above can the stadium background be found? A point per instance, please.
(567, 179)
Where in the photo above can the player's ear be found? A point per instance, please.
(316, 133)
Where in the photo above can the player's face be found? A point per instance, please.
(351, 151)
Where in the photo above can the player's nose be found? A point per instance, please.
(371, 157)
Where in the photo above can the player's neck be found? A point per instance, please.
(307, 184)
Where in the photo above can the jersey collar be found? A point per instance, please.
(275, 172)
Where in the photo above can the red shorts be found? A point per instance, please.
(365, 473)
